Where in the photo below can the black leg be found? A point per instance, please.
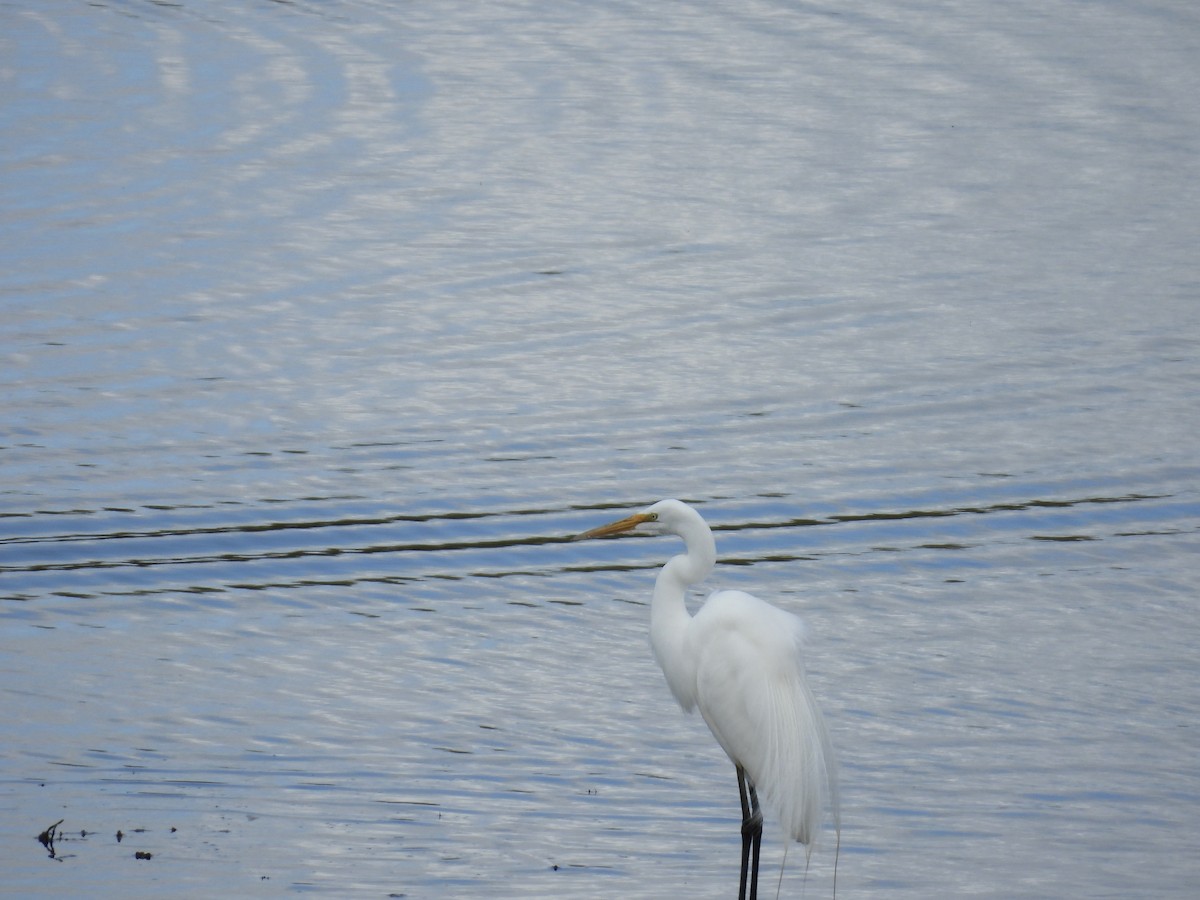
(751, 836)
(745, 833)
(757, 819)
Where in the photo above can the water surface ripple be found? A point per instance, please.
(325, 326)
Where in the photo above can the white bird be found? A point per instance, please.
(740, 660)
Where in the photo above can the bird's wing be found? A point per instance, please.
(751, 690)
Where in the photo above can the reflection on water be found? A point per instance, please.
(325, 327)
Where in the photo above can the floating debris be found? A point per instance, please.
(46, 838)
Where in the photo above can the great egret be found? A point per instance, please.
(739, 659)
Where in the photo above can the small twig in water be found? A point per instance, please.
(46, 838)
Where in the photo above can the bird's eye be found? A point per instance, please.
(653, 517)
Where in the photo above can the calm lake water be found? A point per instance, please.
(324, 325)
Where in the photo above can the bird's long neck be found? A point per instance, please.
(688, 568)
(669, 617)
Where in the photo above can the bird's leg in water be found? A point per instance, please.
(752, 822)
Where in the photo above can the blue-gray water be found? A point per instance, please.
(324, 324)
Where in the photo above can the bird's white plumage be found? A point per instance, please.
(751, 690)
(740, 661)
